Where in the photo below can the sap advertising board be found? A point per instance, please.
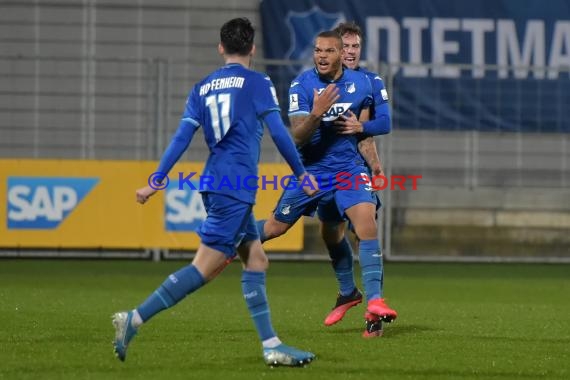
(44, 202)
(436, 35)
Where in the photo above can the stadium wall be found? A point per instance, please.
(90, 205)
(107, 80)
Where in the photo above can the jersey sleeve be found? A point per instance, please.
(369, 100)
(300, 102)
(188, 125)
(284, 143)
(264, 96)
(379, 91)
(380, 123)
(192, 110)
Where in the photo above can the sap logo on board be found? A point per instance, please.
(184, 209)
(44, 202)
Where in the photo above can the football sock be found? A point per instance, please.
(253, 288)
(260, 224)
(371, 267)
(341, 255)
(136, 321)
(177, 286)
(271, 342)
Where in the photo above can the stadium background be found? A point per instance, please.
(102, 84)
(90, 92)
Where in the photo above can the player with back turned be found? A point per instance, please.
(230, 105)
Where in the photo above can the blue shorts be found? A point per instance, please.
(336, 194)
(294, 203)
(333, 209)
(229, 223)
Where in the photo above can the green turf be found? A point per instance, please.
(456, 321)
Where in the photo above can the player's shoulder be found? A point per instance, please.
(257, 78)
(306, 76)
(256, 74)
(370, 74)
(355, 74)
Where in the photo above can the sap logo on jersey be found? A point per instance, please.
(184, 209)
(44, 202)
(335, 111)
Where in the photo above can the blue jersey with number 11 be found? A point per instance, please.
(329, 152)
(229, 104)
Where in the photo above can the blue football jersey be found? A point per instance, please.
(379, 92)
(329, 152)
(229, 104)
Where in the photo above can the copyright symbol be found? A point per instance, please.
(158, 181)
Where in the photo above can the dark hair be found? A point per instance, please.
(236, 36)
(348, 27)
(331, 34)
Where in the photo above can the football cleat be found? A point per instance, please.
(384, 312)
(343, 303)
(124, 333)
(373, 326)
(284, 355)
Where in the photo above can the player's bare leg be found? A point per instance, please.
(207, 264)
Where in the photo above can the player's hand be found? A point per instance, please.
(348, 124)
(144, 193)
(378, 177)
(323, 102)
(309, 183)
(377, 170)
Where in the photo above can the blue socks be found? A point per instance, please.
(253, 287)
(371, 266)
(260, 224)
(177, 286)
(341, 255)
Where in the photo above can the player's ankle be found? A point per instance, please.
(271, 342)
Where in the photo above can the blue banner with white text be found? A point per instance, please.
(489, 65)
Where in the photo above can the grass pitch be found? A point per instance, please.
(472, 321)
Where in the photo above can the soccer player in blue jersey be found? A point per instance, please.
(327, 131)
(230, 105)
(333, 233)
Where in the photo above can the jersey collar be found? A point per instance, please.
(322, 79)
(233, 64)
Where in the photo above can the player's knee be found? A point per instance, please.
(366, 229)
(332, 234)
(274, 228)
(257, 262)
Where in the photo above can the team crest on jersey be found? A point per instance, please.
(350, 87)
(285, 210)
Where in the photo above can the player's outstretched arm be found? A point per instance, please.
(285, 145)
(179, 143)
(144, 193)
(303, 127)
(283, 142)
(309, 184)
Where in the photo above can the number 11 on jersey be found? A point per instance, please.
(221, 102)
